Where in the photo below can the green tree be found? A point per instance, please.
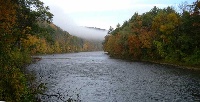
(160, 34)
(17, 19)
(110, 30)
(29, 12)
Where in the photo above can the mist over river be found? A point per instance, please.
(95, 77)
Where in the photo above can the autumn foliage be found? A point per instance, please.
(26, 29)
(158, 35)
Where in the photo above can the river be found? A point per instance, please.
(95, 77)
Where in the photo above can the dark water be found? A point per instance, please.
(94, 77)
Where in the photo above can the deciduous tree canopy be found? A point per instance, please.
(160, 34)
(26, 28)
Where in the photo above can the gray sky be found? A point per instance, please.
(101, 13)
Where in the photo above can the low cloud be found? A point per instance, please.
(86, 33)
(65, 22)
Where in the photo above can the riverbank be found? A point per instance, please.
(176, 64)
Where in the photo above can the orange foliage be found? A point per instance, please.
(7, 20)
(134, 46)
(146, 38)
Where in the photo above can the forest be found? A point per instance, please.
(50, 38)
(26, 29)
(159, 35)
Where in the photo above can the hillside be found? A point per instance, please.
(95, 28)
(52, 39)
(162, 35)
(24, 32)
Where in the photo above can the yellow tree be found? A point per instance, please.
(166, 24)
(87, 46)
(42, 46)
(146, 38)
(110, 44)
(31, 43)
(118, 47)
(12, 86)
(57, 47)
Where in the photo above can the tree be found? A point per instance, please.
(118, 25)
(118, 46)
(29, 12)
(160, 34)
(110, 30)
(134, 47)
(8, 21)
(17, 20)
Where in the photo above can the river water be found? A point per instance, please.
(95, 77)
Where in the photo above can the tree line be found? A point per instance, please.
(26, 29)
(52, 39)
(158, 35)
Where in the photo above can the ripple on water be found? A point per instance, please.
(94, 77)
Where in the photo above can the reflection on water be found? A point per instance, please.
(94, 77)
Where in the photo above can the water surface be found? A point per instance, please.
(95, 77)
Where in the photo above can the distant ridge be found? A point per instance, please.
(96, 28)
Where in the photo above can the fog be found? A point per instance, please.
(72, 15)
(86, 33)
(66, 22)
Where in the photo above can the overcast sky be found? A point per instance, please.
(70, 14)
(102, 13)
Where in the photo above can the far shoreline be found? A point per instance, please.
(180, 65)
